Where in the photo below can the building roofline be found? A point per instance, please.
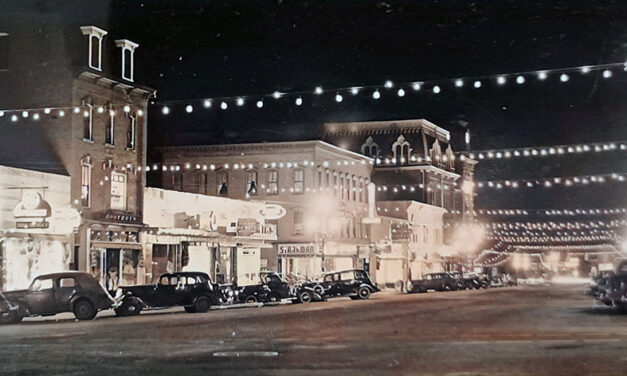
(362, 126)
(267, 145)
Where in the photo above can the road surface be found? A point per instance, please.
(508, 331)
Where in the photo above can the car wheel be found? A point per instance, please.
(250, 299)
(274, 298)
(305, 297)
(84, 310)
(447, 288)
(318, 289)
(10, 317)
(363, 292)
(202, 304)
(131, 307)
(190, 309)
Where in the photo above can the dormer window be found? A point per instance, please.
(95, 45)
(128, 51)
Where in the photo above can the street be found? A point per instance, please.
(508, 331)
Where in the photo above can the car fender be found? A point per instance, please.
(368, 287)
(130, 296)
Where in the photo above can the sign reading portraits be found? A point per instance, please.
(296, 249)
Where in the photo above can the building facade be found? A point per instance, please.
(75, 108)
(322, 187)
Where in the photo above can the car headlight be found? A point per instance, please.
(230, 293)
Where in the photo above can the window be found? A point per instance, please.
(85, 183)
(273, 182)
(118, 191)
(41, 284)
(222, 183)
(341, 187)
(88, 128)
(251, 183)
(320, 179)
(128, 51)
(109, 129)
(130, 133)
(299, 227)
(201, 183)
(4, 51)
(67, 282)
(299, 181)
(95, 45)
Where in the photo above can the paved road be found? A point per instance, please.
(511, 331)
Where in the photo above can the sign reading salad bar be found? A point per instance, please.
(296, 249)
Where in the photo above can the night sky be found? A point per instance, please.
(191, 50)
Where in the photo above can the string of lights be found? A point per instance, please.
(543, 151)
(86, 110)
(570, 225)
(566, 181)
(435, 87)
(550, 212)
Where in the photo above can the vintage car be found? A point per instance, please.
(271, 289)
(611, 289)
(354, 283)
(192, 290)
(433, 281)
(54, 293)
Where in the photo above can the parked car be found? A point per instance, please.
(433, 281)
(54, 293)
(612, 289)
(193, 290)
(354, 283)
(271, 289)
(467, 280)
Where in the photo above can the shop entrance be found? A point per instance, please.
(115, 267)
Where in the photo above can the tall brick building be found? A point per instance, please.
(79, 113)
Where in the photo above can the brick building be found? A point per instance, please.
(79, 112)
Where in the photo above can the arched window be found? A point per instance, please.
(370, 148)
(86, 165)
(402, 150)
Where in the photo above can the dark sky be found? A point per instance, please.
(197, 49)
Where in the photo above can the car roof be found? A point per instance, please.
(344, 271)
(188, 274)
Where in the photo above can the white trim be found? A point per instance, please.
(127, 45)
(99, 33)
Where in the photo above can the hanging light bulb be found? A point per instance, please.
(400, 92)
(61, 113)
(520, 80)
(35, 116)
(542, 75)
(415, 86)
(318, 90)
(127, 108)
(276, 95)
(207, 103)
(224, 106)
(477, 84)
(189, 108)
(77, 110)
(338, 98)
(24, 114)
(585, 69)
(13, 118)
(376, 94)
(355, 90)
(607, 73)
(140, 112)
(259, 103)
(101, 109)
(165, 110)
(388, 84)
(46, 110)
(299, 101)
(240, 101)
(501, 80)
(459, 83)
(436, 89)
(564, 77)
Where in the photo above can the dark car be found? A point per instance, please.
(354, 283)
(271, 289)
(192, 290)
(54, 293)
(611, 289)
(433, 281)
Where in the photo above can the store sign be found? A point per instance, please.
(296, 249)
(272, 212)
(32, 205)
(34, 224)
(247, 226)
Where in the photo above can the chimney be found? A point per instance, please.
(128, 52)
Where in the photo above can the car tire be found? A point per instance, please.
(250, 299)
(274, 298)
(10, 317)
(363, 293)
(318, 289)
(202, 304)
(190, 309)
(84, 310)
(305, 297)
(130, 307)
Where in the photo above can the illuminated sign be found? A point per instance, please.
(296, 249)
(272, 212)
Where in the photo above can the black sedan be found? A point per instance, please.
(354, 283)
(433, 281)
(271, 289)
(50, 294)
(192, 290)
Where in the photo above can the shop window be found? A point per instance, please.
(67, 282)
(131, 133)
(85, 184)
(118, 191)
(299, 181)
(222, 183)
(4, 51)
(110, 127)
(299, 225)
(273, 182)
(251, 183)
